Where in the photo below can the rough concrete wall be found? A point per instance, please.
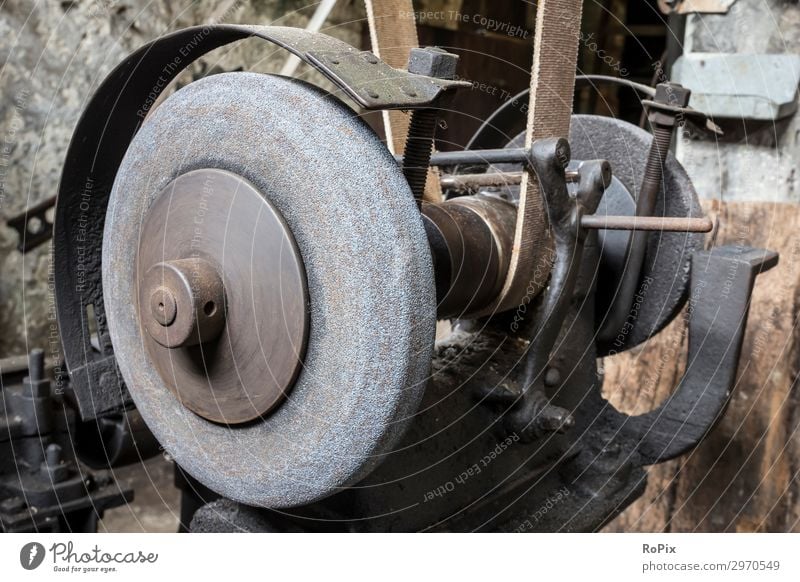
(53, 54)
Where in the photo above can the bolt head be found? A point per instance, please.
(433, 62)
(672, 94)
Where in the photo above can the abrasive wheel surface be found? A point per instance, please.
(368, 268)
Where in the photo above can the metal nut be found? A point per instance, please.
(433, 62)
(672, 94)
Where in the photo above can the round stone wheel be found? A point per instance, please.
(371, 296)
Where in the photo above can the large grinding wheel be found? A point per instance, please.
(269, 288)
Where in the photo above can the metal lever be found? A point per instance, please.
(534, 415)
(721, 286)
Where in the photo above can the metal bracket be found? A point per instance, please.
(375, 85)
(534, 415)
(33, 226)
(722, 284)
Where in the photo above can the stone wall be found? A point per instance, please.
(53, 54)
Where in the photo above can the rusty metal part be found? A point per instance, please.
(470, 240)
(186, 300)
(518, 155)
(33, 225)
(430, 62)
(106, 128)
(659, 223)
(663, 124)
(534, 414)
(472, 182)
(206, 227)
(371, 291)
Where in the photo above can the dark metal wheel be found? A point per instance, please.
(222, 296)
(664, 279)
(302, 188)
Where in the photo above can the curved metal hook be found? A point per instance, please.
(721, 287)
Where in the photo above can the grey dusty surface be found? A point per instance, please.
(156, 504)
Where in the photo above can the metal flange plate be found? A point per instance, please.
(218, 219)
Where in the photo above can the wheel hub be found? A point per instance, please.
(223, 296)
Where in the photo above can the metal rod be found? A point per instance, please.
(471, 181)
(641, 223)
(650, 91)
(478, 157)
(474, 181)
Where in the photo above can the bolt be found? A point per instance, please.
(35, 382)
(53, 455)
(552, 377)
(36, 365)
(52, 464)
(163, 306)
(673, 94)
(430, 62)
(662, 122)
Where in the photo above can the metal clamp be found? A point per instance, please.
(534, 415)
